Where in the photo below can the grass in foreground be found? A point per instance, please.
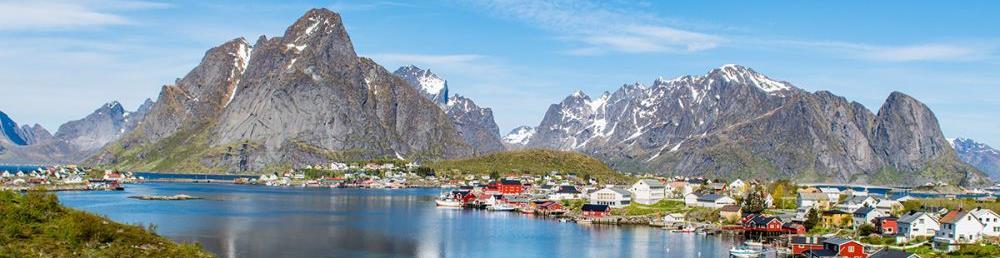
(36, 225)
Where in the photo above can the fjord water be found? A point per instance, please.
(256, 221)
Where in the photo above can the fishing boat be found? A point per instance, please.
(754, 244)
(501, 207)
(686, 229)
(447, 201)
(744, 251)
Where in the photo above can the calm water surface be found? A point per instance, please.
(255, 221)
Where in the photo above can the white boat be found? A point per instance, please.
(754, 244)
(501, 207)
(743, 251)
(448, 203)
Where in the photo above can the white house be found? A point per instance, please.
(566, 192)
(832, 193)
(888, 206)
(813, 200)
(865, 215)
(917, 224)
(958, 227)
(855, 202)
(673, 218)
(990, 220)
(713, 201)
(648, 191)
(691, 199)
(611, 196)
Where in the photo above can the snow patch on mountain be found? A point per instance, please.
(520, 135)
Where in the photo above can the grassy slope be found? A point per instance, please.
(36, 225)
(535, 162)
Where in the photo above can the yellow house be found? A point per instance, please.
(731, 212)
(836, 219)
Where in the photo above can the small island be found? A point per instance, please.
(178, 197)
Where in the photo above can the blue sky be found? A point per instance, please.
(62, 59)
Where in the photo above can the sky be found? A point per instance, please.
(60, 60)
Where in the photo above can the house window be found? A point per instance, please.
(921, 221)
(850, 249)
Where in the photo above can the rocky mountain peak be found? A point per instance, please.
(429, 84)
(737, 74)
(35, 134)
(520, 135)
(10, 131)
(979, 155)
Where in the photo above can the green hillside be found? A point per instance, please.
(36, 225)
(535, 162)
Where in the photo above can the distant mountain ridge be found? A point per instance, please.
(979, 155)
(74, 141)
(736, 122)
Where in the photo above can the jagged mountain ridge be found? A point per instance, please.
(303, 98)
(474, 123)
(734, 121)
(979, 155)
(75, 140)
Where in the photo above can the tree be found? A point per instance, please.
(754, 201)
(495, 175)
(866, 229)
(812, 218)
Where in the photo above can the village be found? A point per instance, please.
(65, 178)
(803, 221)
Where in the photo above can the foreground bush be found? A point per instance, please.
(36, 225)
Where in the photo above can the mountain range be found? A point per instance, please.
(308, 98)
(73, 142)
(979, 155)
(736, 122)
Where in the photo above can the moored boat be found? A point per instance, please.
(744, 251)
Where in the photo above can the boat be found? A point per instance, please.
(501, 207)
(744, 251)
(754, 244)
(447, 201)
(584, 221)
(686, 229)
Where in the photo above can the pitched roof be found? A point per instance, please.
(807, 240)
(913, 216)
(594, 207)
(652, 183)
(891, 253)
(863, 210)
(834, 212)
(813, 196)
(836, 241)
(710, 197)
(953, 216)
(730, 208)
(568, 189)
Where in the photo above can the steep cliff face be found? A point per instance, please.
(736, 122)
(474, 123)
(303, 98)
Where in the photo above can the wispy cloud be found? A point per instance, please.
(33, 15)
(934, 52)
(444, 60)
(597, 28)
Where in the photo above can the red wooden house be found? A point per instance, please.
(801, 244)
(886, 225)
(595, 210)
(838, 247)
(505, 186)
